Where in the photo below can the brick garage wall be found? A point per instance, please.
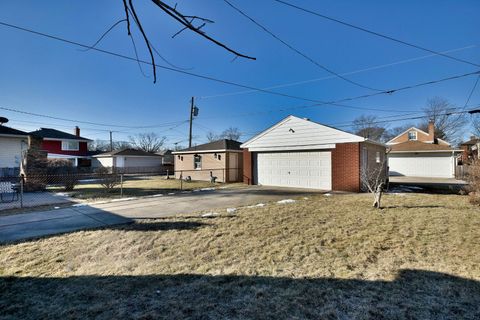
(247, 167)
(368, 160)
(346, 167)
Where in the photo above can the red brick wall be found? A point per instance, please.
(346, 167)
(53, 146)
(247, 167)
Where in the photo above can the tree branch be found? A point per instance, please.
(145, 38)
(171, 11)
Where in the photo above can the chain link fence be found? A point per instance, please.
(75, 187)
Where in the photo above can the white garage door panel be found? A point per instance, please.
(295, 169)
(435, 165)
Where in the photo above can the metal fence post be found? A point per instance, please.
(121, 185)
(181, 180)
(21, 190)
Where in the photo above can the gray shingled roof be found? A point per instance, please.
(127, 152)
(224, 144)
(10, 131)
(55, 134)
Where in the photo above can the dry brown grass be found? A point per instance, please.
(325, 257)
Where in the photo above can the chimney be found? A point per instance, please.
(431, 130)
(77, 131)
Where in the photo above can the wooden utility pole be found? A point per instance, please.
(111, 141)
(192, 105)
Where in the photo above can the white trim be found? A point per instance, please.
(427, 151)
(13, 136)
(55, 139)
(66, 156)
(206, 151)
(293, 148)
(128, 156)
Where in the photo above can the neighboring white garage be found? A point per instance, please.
(434, 165)
(419, 159)
(131, 159)
(297, 169)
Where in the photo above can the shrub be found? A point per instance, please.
(474, 183)
(108, 179)
(62, 172)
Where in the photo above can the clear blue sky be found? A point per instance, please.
(52, 78)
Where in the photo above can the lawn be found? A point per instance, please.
(135, 186)
(329, 257)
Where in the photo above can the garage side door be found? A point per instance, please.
(434, 165)
(310, 169)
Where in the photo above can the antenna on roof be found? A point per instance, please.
(3, 120)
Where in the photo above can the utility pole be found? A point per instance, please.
(193, 113)
(111, 141)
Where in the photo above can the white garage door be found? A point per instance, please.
(312, 169)
(436, 165)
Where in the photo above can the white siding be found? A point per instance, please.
(102, 162)
(434, 165)
(11, 152)
(294, 133)
(307, 169)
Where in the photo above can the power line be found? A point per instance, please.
(471, 92)
(302, 54)
(375, 33)
(85, 122)
(290, 84)
(230, 82)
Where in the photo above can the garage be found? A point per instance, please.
(432, 165)
(306, 169)
(300, 153)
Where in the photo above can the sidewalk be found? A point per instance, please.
(36, 224)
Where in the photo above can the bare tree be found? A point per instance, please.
(373, 177)
(104, 145)
(148, 142)
(193, 23)
(448, 125)
(231, 133)
(476, 125)
(212, 136)
(368, 126)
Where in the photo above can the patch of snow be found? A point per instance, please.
(196, 190)
(209, 214)
(123, 199)
(186, 192)
(157, 195)
(231, 210)
(207, 189)
(285, 201)
(61, 194)
(306, 198)
(259, 205)
(79, 204)
(171, 193)
(56, 207)
(328, 194)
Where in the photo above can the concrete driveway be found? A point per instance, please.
(36, 224)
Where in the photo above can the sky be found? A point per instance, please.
(44, 76)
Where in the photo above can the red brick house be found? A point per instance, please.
(301, 153)
(470, 150)
(63, 145)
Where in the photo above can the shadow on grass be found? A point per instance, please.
(414, 294)
(160, 226)
(412, 206)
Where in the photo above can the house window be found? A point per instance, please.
(70, 145)
(412, 135)
(197, 162)
(377, 157)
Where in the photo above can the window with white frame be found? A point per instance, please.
(377, 157)
(70, 145)
(412, 135)
(197, 162)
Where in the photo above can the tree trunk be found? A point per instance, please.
(378, 196)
